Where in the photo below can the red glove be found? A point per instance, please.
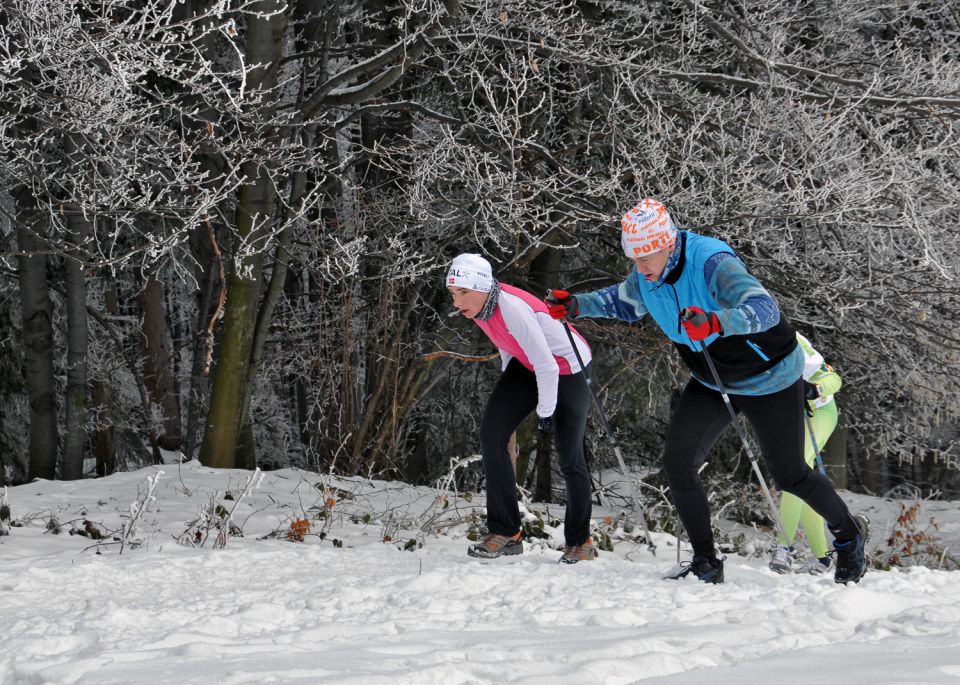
(561, 304)
(699, 324)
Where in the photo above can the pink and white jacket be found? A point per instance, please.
(521, 328)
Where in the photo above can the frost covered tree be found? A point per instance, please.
(307, 88)
(819, 139)
(105, 182)
(139, 125)
(254, 200)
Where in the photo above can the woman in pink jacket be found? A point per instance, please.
(541, 372)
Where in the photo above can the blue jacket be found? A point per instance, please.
(757, 353)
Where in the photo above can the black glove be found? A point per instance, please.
(810, 393)
(545, 424)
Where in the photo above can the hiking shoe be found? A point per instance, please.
(493, 546)
(573, 554)
(851, 559)
(783, 558)
(817, 566)
(707, 569)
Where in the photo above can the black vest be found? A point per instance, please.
(736, 357)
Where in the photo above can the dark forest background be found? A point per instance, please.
(225, 223)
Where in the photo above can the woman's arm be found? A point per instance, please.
(525, 328)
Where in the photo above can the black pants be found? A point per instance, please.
(513, 398)
(777, 419)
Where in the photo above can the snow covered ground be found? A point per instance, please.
(352, 608)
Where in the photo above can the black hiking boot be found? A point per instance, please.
(707, 569)
(493, 546)
(851, 558)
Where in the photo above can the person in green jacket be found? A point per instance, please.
(821, 384)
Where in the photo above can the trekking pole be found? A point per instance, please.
(637, 510)
(743, 438)
(813, 441)
(679, 538)
(677, 567)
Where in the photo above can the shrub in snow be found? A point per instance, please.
(913, 542)
(53, 525)
(216, 517)
(129, 528)
(298, 530)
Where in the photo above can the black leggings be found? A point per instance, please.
(777, 419)
(512, 399)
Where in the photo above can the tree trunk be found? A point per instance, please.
(203, 247)
(208, 278)
(14, 460)
(37, 312)
(220, 439)
(874, 470)
(106, 460)
(75, 435)
(75, 431)
(521, 460)
(544, 273)
(834, 455)
(278, 279)
(303, 409)
(297, 382)
(255, 200)
(246, 447)
(155, 349)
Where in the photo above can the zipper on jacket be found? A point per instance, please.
(757, 349)
(677, 300)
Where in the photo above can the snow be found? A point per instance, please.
(265, 609)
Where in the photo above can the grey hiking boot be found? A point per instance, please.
(816, 567)
(783, 559)
(574, 553)
(493, 546)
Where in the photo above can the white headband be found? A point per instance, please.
(470, 271)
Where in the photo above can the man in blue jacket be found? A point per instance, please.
(701, 296)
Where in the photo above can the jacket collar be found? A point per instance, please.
(673, 273)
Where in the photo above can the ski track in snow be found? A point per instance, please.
(271, 611)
